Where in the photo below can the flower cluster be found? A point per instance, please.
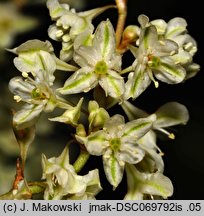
(163, 51)
(63, 182)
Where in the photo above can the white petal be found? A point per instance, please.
(160, 25)
(130, 153)
(113, 84)
(176, 26)
(171, 114)
(132, 111)
(96, 143)
(104, 40)
(21, 88)
(144, 183)
(27, 116)
(34, 45)
(82, 80)
(135, 129)
(137, 82)
(169, 72)
(113, 169)
(114, 125)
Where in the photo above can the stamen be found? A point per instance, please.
(59, 33)
(156, 84)
(25, 75)
(162, 43)
(17, 98)
(121, 163)
(65, 27)
(188, 45)
(170, 135)
(66, 38)
(161, 154)
(172, 52)
(58, 23)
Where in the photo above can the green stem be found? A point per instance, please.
(36, 187)
(81, 160)
(33, 187)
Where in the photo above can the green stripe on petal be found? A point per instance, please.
(168, 72)
(113, 84)
(96, 143)
(137, 82)
(149, 37)
(175, 27)
(138, 128)
(143, 183)
(104, 40)
(27, 116)
(82, 80)
(113, 169)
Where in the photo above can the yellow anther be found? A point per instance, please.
(162, 43)
(161, 154)
(173, 52)
(17, 98)
(171, 136)
(59, 33)
(25, 75)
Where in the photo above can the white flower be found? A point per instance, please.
(168, 115)
(141, 184)
(38, 95)
(35, 55)
(63, 182)
(153, 58)
(37, 63)
(117, 143)
(176, 30)
(99, 64)
(69, 25)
